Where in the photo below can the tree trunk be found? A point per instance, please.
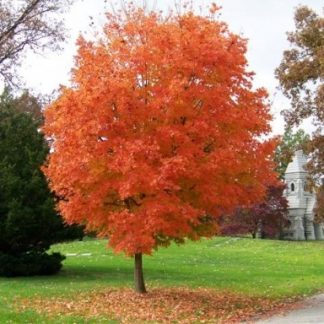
(254, 235)
(138, 274)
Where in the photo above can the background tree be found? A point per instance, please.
(269, 217)
(160, 129)
(319, 210)
(29, 104)
(28, 24)
(286, 148)
(301, 75)
(29, 223)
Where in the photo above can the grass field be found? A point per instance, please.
(275, 269)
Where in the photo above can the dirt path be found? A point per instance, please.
(311, 311)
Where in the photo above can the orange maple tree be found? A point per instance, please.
(159, 133)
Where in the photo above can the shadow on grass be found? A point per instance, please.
(119, 275)
(73, 276)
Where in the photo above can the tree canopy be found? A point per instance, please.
(301, 74)
(28, 24)
(268, 218)
(160, 132)
(287, 146)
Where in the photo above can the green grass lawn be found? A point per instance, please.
(277, 269)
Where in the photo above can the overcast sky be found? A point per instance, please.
(263, 22)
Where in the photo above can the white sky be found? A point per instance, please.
(263, 22)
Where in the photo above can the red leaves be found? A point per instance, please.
(160, 129)
(268, 216)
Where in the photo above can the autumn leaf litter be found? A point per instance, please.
(159, 305)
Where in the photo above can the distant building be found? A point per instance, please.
(301, 202)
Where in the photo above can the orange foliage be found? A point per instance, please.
(160, 130)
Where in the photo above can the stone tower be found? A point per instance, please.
(301, 202)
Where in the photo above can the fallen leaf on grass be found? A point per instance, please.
(161, 305)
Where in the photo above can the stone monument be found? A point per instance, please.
(301, 202)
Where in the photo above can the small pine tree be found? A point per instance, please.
(29, 223)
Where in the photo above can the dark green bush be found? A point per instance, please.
(29, 223)
(30, 264)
